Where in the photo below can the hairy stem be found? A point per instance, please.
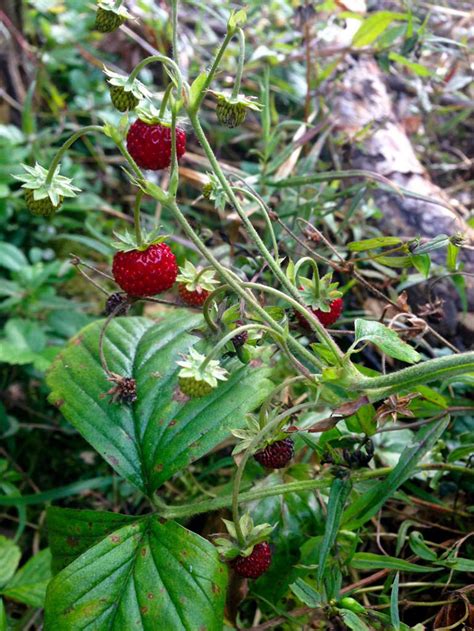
(273, 264)
(236, 285)
(225, 501)
(136, 218)
(240, 65)
(167, 62)
(70, 141)
(227, 338)
(211, 74)
(431, 370)
(174, 28)
(165, 99)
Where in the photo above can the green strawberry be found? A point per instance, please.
(195, 380)
(107, 21)
(41, 207)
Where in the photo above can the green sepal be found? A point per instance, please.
(236, 19)
(136, 87)
(229, 547)
(194, 279)
(126, 241)
(35, 179)
(191, 368)
(110, 5)
(248, 102)
(320, 293)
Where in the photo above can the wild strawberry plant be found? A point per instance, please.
(246, 363)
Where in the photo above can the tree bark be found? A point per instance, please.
(362, 110)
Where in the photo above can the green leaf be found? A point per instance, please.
(370, 502)
(386, 339)
(373, 26)
(419, 547)
(307, 594)
(422, 263)
(197, 86)
(11, 257)
(418, 69)
(372, 244)
(395, 261)
(71, 532)
(452, 257)
(363, 421)
(458, 564)
(394, 613)
(10, 555)
(3, 616)
(29, 584)
(58, 493)
(25, 335)
(353, 621)
(236, 19)
(464, 451)
(159, 435)
(144, 574)
(440, 241)
(370, 561)
(340, 489)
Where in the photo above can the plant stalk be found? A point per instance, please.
(430, 370)
(321, 332)
(240, 65)
(225, 501)
(167, 62)
(70, 141)
(136, 218)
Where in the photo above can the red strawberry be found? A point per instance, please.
(150, 144)
(256, 564)
(276, 455)
(325, 317)
(192, 298)
(145, 272)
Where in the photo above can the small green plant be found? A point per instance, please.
(251, 361)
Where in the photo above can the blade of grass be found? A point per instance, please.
(56, 494)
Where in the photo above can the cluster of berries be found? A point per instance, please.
(144, 270)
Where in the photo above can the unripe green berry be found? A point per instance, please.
(40, 207)
(193, 388)
(121, 99)
(107, 21)
(230, 114)
(207, 190)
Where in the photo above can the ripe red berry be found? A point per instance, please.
(150, 144)
(192, 298)
(276, 455)
(256, 564)
(145, 272)
(325, 317)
